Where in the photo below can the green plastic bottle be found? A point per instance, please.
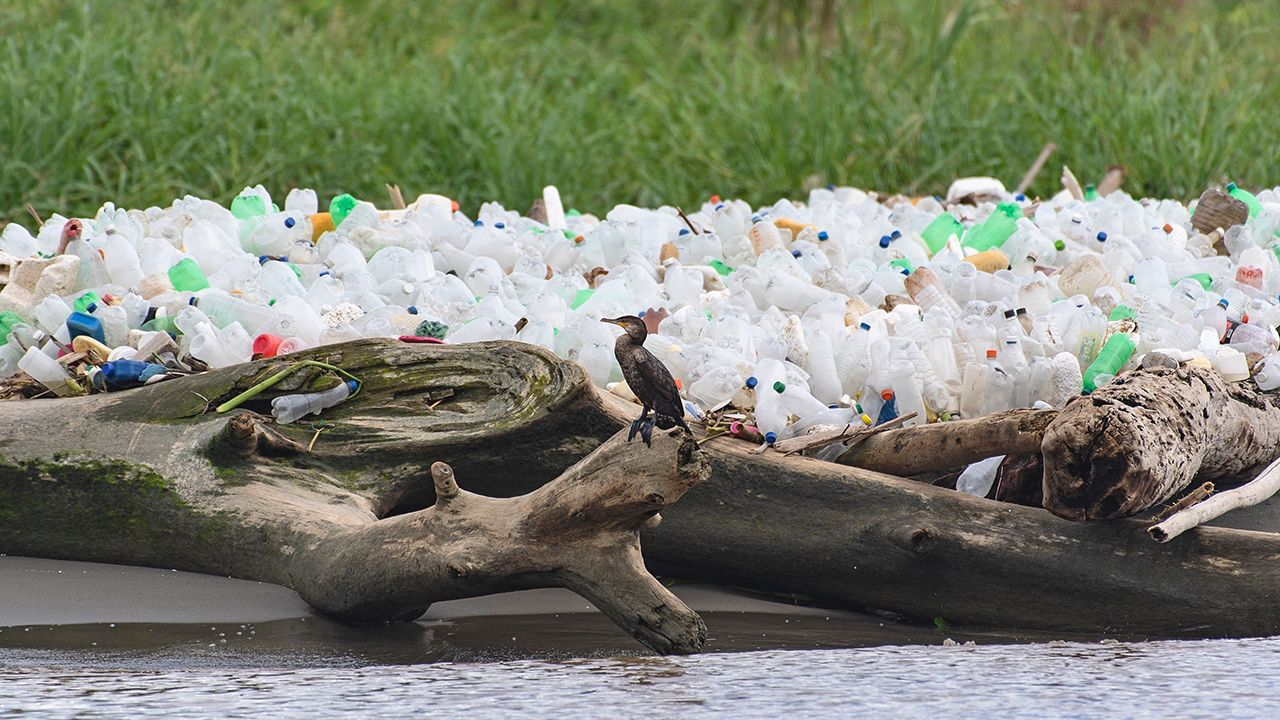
(903, 264)
(1121, 312)
(993, 231)
(248, 206)
(719, 266)
(1090, 193)
(7, 321)
(581, 297)
(1205, 279)
(1115, 353)
(186, 276)
(340, 207)
(1246, 197)
(941, 230)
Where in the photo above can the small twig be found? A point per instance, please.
(1195, 496)
(1035, 168)
(397, 200)
(686, 220)
(1256, 491)
(886, 425)
(311, 445)
(711, 436)
(31, 210)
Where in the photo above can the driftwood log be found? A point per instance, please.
(1143, 438)
(821, 531)
(370, 525)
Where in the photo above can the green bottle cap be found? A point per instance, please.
(720, 267)
(340, 207)
(1059, 245)
(779, 386)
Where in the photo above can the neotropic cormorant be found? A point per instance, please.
(648, 379)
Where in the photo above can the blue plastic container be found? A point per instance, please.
(79, 323)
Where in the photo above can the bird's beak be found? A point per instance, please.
(611, 321)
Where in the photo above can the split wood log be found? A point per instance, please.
(1256, 491)
(944, 446)
(1144, 437)
(370, 525)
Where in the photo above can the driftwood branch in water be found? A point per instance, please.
(1251, 493)
(1141, 439)
(943, 446)
(369, 524)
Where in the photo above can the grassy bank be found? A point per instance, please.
(660, 101)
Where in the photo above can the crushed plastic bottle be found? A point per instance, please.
(288, 408)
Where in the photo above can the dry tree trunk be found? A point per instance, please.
(1144, 437)
(943, 446)
(151, 476)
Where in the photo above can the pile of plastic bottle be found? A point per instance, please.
(846, 308)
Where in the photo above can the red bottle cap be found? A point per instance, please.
(266, 345)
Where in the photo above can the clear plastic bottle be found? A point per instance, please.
(288, 408)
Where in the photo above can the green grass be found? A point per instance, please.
(650, 102)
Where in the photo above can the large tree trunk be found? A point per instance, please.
(1145, 437)
(152, 476)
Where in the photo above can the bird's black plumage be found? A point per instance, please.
(647, 377)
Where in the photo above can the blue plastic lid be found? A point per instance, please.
(895, 234)
(822, 235)
(323, 273)
(770, 437)
(1019, 197)
(191, 301)
(1102, 237)
(755, 218)
(683, 232)
(752, 381)
(864, 326)
(885, 240)
(796, 253)
(831, 186)
(1223, 302)
(413, 309)
(92, 307)
(719, 206)
(352, 385)
(640, 314)
(499, 225)
(906, 271)
(290, 222)
(478, 223)
(262, 259)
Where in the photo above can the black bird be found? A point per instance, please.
(648, 378)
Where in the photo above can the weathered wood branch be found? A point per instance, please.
(358, 525)
(943, 446)
(1144, 437)
(1254, 492)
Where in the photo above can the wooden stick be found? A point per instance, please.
(1251, 493)
(397, 200)
(791, 446)
(1112, 181)
(31, 210)
(1200, 494)
(685, 218)
(1070, 182)
(1035, 168)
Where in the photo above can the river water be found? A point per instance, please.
(545, 655)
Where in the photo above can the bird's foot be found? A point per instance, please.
(635, 427)
(646, 431)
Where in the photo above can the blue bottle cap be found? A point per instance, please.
(831, 186)
(478, 223)
(262, 259)
(352, 385)
(770, 437)
(864, 326)
(721, 205)
(191, 301)
(290, 222)
(884, 241)
(822, 235)
(1019, 198)
(1223, 302)
(755, 218)
(322, 274)
(895, 234)
(752, 381)
(413, 309)
(92, 307)
(796, 253)
(1102, 237)
(640, 314)
(499, 225)
(683, 232)
(1130, 279)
